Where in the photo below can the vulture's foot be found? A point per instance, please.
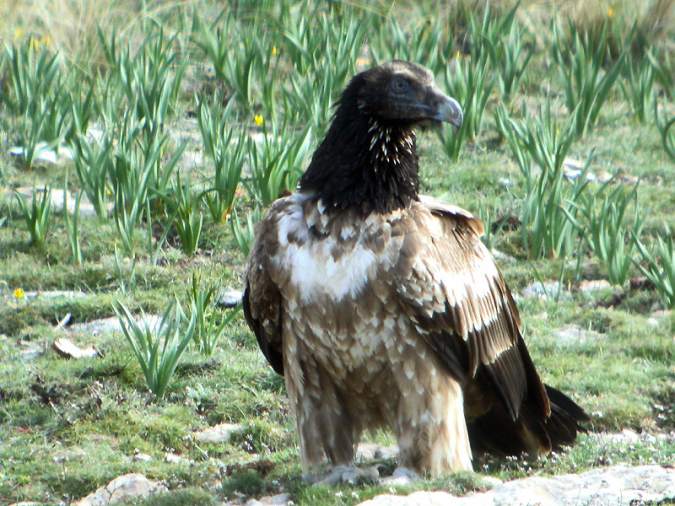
(401, 476)
(349, 475)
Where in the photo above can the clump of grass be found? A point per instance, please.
(188, 216)
(244, 233)
(227, 149)
(470, 83)
(73, 225)
(638, 86)
(207, 332)
(38, 98)
(150, 79)
(658, 265)
(550, 201)
(607, 232)
(502, 39)
(580, 59)
(667, 136)
(158, 350)
(37, 215)
(420, 42)
(276, 163)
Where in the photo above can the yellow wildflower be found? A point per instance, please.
(458, 55)
(46, 41)
(18, 33)
(259, 120)
(19, 293)
(275, 51)
(610, 12)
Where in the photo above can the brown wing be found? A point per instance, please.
(262, 300)
(451, 288)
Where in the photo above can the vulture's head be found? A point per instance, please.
(404, 93)
(368, 159)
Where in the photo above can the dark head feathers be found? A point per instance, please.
(368, 158)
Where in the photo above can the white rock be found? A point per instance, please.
(172, 458)
(54, 294)
(112, 325)
(229, 297)
(122, 488)
(400, 477)
(592, 285)
(69, 455)
(31, 351)
(43, 152)
(617, 485)
(218, 433)
(272, 500)
(545, 290)
(571, 335)
(141, 457)
(500, 256)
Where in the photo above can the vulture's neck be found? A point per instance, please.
(364, 164)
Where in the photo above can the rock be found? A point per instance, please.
(30, 351)
(43, 152)
(372, 451)
(172, 458)
(217, 434)
(351, 475)
(112, 325)
(69, 455)
(141, 457)
(545, 290)
(572, 169)
(401, 476)
(66, 348)
(228, 297)
(617, 485)
(604, 176)
(628, 179)
(593, 285)
(505, 182)
(500, 256)
(60, 200)
(490, 481)
(270, 500)
(571, 335)
(122, 488)
(53, 294)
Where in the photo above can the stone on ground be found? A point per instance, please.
(617, 485)
(123, 488)
(218, 433)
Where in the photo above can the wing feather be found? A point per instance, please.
(262, 299)
(475, 328)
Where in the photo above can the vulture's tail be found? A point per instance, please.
(496, 432)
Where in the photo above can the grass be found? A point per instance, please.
(251, 91)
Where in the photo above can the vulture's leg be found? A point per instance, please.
(324, 426)
(431, 428)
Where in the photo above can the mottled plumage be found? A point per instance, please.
(382, 308)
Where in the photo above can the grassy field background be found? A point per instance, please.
(176, 124)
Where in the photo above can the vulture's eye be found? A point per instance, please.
(400, 84)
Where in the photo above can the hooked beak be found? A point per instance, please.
(448, 110)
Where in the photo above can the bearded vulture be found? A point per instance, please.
(383, 308)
